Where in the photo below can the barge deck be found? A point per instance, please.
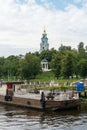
(31, 100)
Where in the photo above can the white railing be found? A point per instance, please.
(69, 95)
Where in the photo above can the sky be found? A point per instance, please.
(22, 23)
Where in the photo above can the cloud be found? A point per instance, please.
(22, 23)
(7, 50)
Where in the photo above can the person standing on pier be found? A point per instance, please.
(42, 100)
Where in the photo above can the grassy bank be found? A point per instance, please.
(49, 76)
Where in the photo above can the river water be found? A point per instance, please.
(13, 118)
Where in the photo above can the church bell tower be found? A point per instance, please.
(44, 45)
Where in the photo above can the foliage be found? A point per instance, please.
(82, 66)
(30, 66)
(64, 88)
(64, 62)
(47, 54)
(63, 48)
(56, 64)
(11, 65)
(81, 47)
(1, 66)
(24, 86)
(67, 65)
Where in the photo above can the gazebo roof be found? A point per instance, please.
(44, 60)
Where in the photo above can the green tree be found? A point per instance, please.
(67, 65)
(1, 66)
(63, 48)
(30, 66)
(82, 66)
(81, 47)
(11, 65)
(47, 54)
(81, 51)
(56, 64)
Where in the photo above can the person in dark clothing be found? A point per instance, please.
(42, 100)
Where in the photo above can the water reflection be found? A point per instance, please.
(13, 118)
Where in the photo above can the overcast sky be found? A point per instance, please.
(22, 23)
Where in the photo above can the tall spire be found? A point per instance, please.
(44, 45)
(44, 32)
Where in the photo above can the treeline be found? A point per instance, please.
(64, 62)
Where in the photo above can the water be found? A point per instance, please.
(12, 118)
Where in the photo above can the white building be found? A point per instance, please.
(44, 64)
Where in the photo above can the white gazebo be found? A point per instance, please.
(44, 64)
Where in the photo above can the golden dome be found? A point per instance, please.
(44, 32)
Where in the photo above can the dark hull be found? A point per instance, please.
(36, 104)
